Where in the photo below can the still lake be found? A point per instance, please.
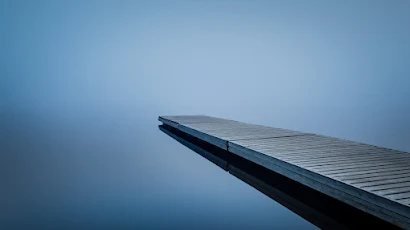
(105, 170)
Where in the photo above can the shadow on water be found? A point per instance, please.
(321, 210)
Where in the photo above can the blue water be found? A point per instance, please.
(119, 170)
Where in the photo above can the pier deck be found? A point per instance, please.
(370, 178)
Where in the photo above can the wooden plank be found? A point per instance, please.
(334, 152)
(212, 134)
(369, 171)
(391, 191)
(405, 201)
(313, 155)
(376, 178)
(361, 160)
(300, 140)
(332, 160)
(398, 196)
(221, 143)
(273, 149)
(405, 186)
(355, 173)
(338, 157)
(384, 183)
(357, 166)
(169, 122)
(369, 175)
(330, 166)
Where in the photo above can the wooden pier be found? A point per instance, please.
(373, 179)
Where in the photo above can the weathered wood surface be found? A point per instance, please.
(373, 179)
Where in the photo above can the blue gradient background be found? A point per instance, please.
(81, 67)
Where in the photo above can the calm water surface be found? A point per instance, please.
(104, 170)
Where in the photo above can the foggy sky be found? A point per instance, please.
(340, 69)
